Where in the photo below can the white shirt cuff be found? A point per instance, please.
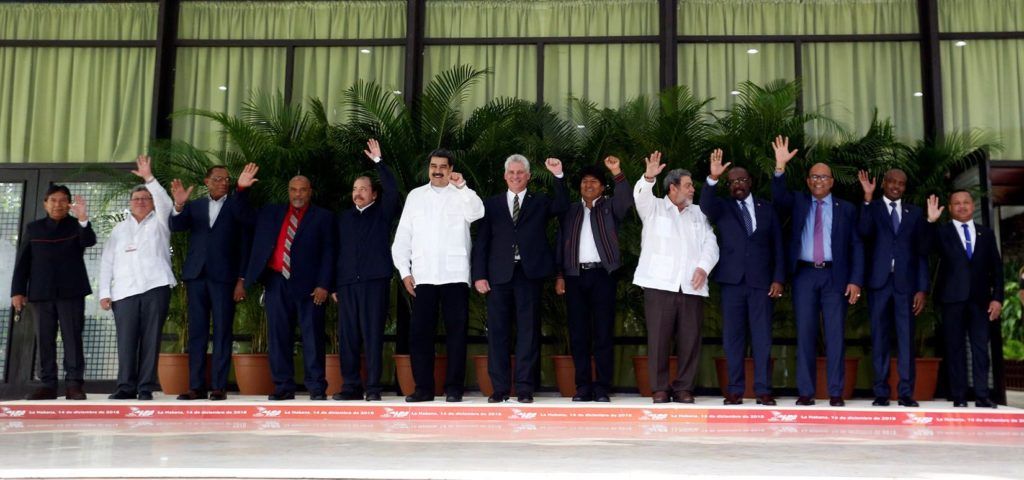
(712, 181)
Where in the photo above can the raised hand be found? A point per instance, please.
(179, 193)
(456, 179)
(782, 153)
(372, 149)
(867, 184)
(653, 166)
(554, 166)
(613, 164)
(934, 210)
(143, 167)
(80, 209)
(717, 169)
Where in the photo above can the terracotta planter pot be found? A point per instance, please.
(332, 364)
(484, 379)
(926, 377)
(403, 367)
(565, 374)
(252, 372)
(849, 378)
(172, 370)
(643, 379)
(722, 369)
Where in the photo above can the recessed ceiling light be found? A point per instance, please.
(581, 126)
(734, 92)
(364, 50)
(397, 92)
(960, 43)
(752, 51)
(918, 94)
(223, 88)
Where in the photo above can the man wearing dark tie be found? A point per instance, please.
(826, 259)
(511, 259)
(969, 290)
(363, 278)
(213, 272)
(751, 271)
(897, 279)
(587, 258)
(293, 257)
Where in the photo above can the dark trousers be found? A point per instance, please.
(590, 305)
(208, 298)
(892, 312)
(514, 304)
(747, 309)
(970, 319)
(453, 299)
(286, 308)
(67, 314)
(362, 311)
(817, 301)
(672, 316)
(139, 320)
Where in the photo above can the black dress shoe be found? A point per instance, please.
(602, 398)
(882, 402)
(766, 399)
(683, 397)
(985, 403)
(733, 399)
(497, 398)
(583, 397)
(420, 396)
(278, 396)
(192, 395)
(908, 402)
(372, 396)
(661, 397)
(960, 403)
(805, 401)
(218, 395)
(836, 402)
(318, 396)
(122, 395)
(525, 398)
(74, 392)
(144, 395)
(453, 398)
(347, 396)
(42, 393)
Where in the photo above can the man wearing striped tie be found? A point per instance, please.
(292, 256)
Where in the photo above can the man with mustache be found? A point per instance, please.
(751, 272)
(363, 278)
(431, 253)
(678, 251)
(826, 259)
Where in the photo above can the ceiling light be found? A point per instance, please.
(734, 92)
(364, 50)
(581, 126)
(397, 92)
(960, 43)
(918, 94)
(752, 51)
(223, 88)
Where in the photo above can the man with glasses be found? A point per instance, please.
(826, 259)
(751, 274)
(214, 271)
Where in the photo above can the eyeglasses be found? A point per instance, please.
(739, 181)
(142, 199)
(219, 179)
(820, 178)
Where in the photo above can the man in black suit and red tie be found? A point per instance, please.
(969, 289)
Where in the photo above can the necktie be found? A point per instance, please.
(819, 234)
(895, 216)
(286, 258)
(515, 219)
(967, 241)
(748, 223)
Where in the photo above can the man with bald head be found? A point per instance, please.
(897, 279)
(826, 259)
(293, 257)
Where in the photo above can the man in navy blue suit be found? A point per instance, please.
(213, 272)
(826, 259)
(511, 260)
(363, 278)
(897, 279)
(293, 257)
(751, 271)
(969, 288)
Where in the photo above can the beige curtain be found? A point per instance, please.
(268, 20)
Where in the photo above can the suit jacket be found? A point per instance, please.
(312, 252)
(493, 254)
(221, 251)
(847, 248)
(364, 238)
(959, 279)
(905, 246)
(50, 263)
(605, 218)
(756, 260)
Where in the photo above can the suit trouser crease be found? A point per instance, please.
(287, 308)
(892, 313)
(453, 300)
(673, 315)
(968, 319)
(139, 320)
(514, 304)
(67, 315)
(746, 308)
(362, 313)
(819, 306)
(209, 301)
(590, 306)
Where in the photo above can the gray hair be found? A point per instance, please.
(517, 158)
(138, 188)
(674, 176)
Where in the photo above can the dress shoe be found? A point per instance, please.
(42, 393)
(420, 396)
(908, 402)
(882, 402)
(144, 395)
(281, 395)
(192, 395)
(122, 395)
(347, 396)
(960, 403)
(318, 396)
(218, 395)
(602, 398)
(766, 399)
(805, 401)
(453, 398)
(372, 396)
(525, 398)
(733, 399)
(583, 397)
(74, 392)
(985, 403)
(497, 398)
(836, 402)
(682, 397)
(661, 397)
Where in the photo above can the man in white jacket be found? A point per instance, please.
(677, 253)
(431, 252)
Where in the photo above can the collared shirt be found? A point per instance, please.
(674, 243)
(510, 197)
(215, 207)
(137, 256)
(807, 236)
(276, 262)
(888, 207)
(362, 209)
(432, 240)
(588, 246)
(960, 232)
(749, 201)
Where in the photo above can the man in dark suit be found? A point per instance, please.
(293, 257)
(363, 278)
(586, 258)
(213, 272)
(50, 275)
(969, 288)
(897, 279)
(826, 259)
(511, 259)
(751, 271)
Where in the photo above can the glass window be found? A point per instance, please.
(281, 20)
(981, 15)
(796, 17)
(716, 70)
(513, 70)
(326, 72)
(12, 199)
(607, 75)
(540, 18)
